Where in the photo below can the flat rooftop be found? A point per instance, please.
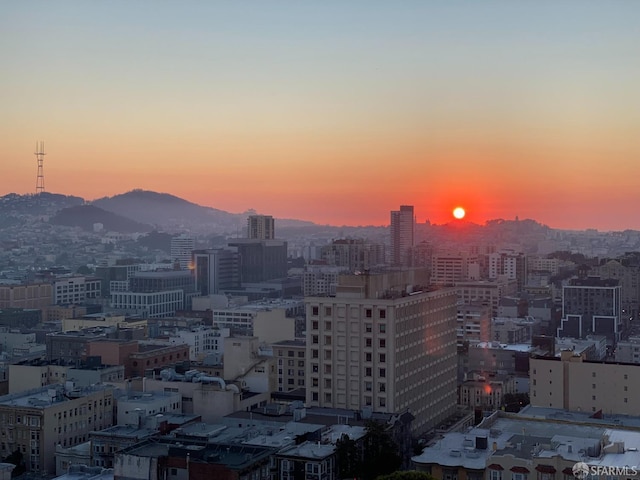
(45, 397)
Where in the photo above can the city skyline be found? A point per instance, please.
(334, 113)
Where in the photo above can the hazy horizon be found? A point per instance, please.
(333, 112)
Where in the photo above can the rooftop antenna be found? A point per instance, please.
(39, 153)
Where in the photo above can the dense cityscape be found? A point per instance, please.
(201, 343)
(338, 240)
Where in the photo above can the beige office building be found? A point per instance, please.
(384, 345)
(574, 383)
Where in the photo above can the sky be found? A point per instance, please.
(335, 111)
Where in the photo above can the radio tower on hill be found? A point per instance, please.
(39, 153)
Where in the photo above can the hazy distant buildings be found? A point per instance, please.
(509, 264)
(591, 306)
(36, 295)
(353, 254)
(318, 280)
(473, 324)
(261, 227)
(628, 275)
(76, 290)
(448, 268)
(379, 345)
(486, 293)
(216, 270)
(181, 248)
(402, 235)
(156, 294)
(115, 278)
(261, 260)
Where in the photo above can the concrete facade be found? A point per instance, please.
(385, 349)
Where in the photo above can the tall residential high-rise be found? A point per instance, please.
(261, 227)
(379, 344)
(181, 249)
(402, 232)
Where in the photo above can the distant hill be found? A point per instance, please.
(44, 203)
(163, 209)
(85, 216)
(168, 211)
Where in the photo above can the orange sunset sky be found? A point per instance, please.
(334, 112)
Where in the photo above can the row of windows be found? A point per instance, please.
(382, 401)
(368, 312)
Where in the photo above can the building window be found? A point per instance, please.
(368, 313)
(383, 358)
(383, 372)
(327, 325)
(383, 314)
(368, 342)
(382, 328)
(495, 475)
(327, 311)
(382, 343)
(314, 311)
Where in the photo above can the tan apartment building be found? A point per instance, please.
(36, 295)
(36, 421)
(574, 383)
(486, 292)
(291, 355)
(382, 345)
(448, 268)
(473, 324)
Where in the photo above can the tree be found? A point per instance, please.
(17, 459)
(348, 458)
(381, 455)
(407, 475)
(84, 270)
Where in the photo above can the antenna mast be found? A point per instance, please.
(39, 153)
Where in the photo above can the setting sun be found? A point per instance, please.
(459, 213)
